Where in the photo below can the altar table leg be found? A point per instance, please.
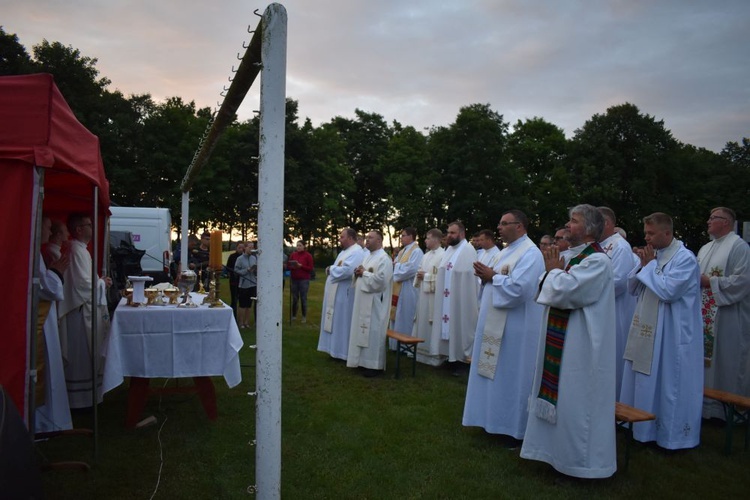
(207, 394)
(137, 395)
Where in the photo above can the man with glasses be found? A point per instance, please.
(76, 310)
(545, 242)
(507, 334)
(725, 287)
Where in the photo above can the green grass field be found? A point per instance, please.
(345, 436)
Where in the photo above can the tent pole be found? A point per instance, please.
(95, 320)
(33, 301)
(270, 237)
(184, 231)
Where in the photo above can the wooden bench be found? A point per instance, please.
(407, 345)
(736, 410)
(625, 417)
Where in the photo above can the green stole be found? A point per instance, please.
(557, 326)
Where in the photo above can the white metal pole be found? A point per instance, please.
(184, 230)
(270, 273)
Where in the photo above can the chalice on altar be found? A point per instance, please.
(172, 293)
(151, 295)
(186, 285)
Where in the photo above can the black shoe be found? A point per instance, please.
(370, 373)
(460, 369)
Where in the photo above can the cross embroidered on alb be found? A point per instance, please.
(445, 318)
(449, 266)
(446, 292)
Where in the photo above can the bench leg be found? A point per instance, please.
(629, 438)
(398, 358)
(413, 351)
(728, 426)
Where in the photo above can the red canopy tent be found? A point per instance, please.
(44, 151)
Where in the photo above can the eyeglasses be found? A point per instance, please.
(714, 217)
(506, 223)
(559, 237)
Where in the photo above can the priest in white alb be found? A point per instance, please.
(725, 287)
(488, 255)
(456, 309)
(424, 283)
(404, 295)
(664, 351)
(507, 334)
(338, 299)
(572, 403)
(53, 412)
(623, 262)
(75, 314)
(372, 303)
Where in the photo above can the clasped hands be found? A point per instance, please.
(552, 259)
(646, 254)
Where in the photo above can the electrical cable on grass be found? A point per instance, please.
(161, 450)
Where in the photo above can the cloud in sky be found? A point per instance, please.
(418, 61)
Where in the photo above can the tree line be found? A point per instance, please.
(367, 173)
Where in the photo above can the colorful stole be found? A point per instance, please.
(712, 259)
(403, 256)
(557, 326)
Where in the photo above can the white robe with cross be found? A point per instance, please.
(336, 342)
(371, 313)
(462, 316)
(673, 391)
(499, 405)
(730, 367)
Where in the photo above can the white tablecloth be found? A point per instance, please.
(171, 342)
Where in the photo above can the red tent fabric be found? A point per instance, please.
(37, 129)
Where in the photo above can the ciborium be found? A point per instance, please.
(186, 285)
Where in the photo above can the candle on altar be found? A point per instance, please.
(214, 251)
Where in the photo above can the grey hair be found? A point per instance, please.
(593, 220)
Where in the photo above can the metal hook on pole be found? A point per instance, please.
(238, 56)
(256, 13)
(245, 46)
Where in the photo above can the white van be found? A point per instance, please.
(152, 232)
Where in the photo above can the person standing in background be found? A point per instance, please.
(300, 265)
